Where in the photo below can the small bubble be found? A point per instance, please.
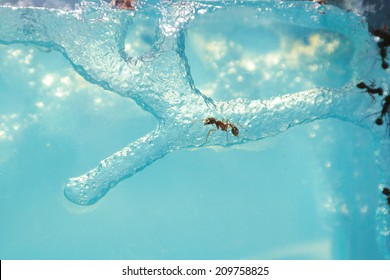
(364, 209)
(344, 209)
(283, 128)
(328, 164)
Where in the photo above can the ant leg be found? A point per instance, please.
(370, 115)
(241, 126)
(372, 97)
(208, 134)
(372, 67)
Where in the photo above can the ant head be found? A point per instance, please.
(235, 130)
(386, 191)
(361, 85)
(210, 120)
(379, 121)
(380, 91)
(385, 65)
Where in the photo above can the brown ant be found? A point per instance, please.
(370, 89)
(319, 1)
(385, 42)
(222, 125)
(123, 4)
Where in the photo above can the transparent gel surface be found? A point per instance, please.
(91, 97)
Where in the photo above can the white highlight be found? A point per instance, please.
(48, 80)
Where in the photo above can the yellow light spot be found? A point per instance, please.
(27, 59)
(267, 76)
(14, 53)
(60, 92)
(97, 101)
(316, 126)
(272, 59)
(209, 89)
(297, 79)
(66, 80)
(48, 80)
(128, 48)
(313, 67)
(332, 46)
(232, 70)
(40, 104)
(248, 64)
(217, 49)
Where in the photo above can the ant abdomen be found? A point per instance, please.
(235, 130)
(379, 121)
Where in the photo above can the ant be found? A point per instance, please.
(123, 4)
(319, 1)
(383, 54)
(383, 34)
(222, 125)
(385, 42)
(386, 192)
(370, 89)
(385, 109)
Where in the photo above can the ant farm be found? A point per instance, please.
(91, 95)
